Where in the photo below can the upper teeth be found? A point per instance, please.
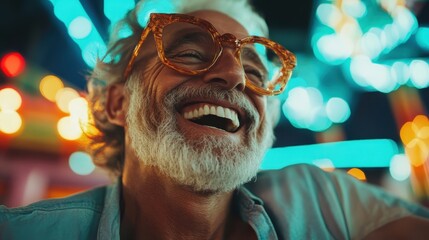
(213, 110)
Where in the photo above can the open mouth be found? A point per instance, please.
(213, 116)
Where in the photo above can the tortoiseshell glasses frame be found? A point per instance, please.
(158, 21)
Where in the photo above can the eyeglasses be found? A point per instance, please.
(191, 46)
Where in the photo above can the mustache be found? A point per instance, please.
(233, 96)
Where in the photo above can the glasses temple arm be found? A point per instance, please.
(136, 52)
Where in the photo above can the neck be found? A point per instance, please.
(154, 207)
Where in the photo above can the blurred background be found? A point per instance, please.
(358, 100)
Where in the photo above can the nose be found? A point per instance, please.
(227, 72)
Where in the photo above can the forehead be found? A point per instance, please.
(222, 22)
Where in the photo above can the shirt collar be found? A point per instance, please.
(109, 226)
(246, 196)
(110, 217)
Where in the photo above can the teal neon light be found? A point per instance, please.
(347, 154)
(92, 45)
(115, 10)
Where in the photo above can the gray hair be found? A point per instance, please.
(106, 146)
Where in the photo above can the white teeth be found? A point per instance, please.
(235, 120)
(206, 110)
(228, 113)
(220, 112)
(214, 110)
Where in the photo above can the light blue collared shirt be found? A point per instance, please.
(297, 202)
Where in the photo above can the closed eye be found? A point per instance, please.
(189, 54)
(255, 75)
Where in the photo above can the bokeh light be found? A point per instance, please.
(304, 108)
(400, 72)
(73, 14)
(334, 48)
(78, 108)
(419, 71)
(370, 44)
(12, 64)
(79, 112)
(357, 173)
(81, 163)
(328, 14)
(356, 9)
(124, 32)
(69, 128)
(149, 7)
(49, 86)
(400, 168)
(115, 10)
(63, 98)
(415, 137)
(358, 64)
(392, 36)
(10, 99)
(337, 110)
(372, 76)
(326, 164)
(80, 27)
(422, 37)
(406, 22)
(93, 51)
(346, 31)
(10, 121)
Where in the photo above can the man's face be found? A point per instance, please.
(206, 131)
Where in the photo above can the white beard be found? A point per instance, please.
(209, 163)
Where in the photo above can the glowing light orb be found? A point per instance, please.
(334, 49)
(80, 27)
(10, 121)
(400, 168)
(419, 73)
(63, 98)
(78, 107)
(69, 128)
(357, 173)
(81, 163)
(10, 99)
(337, 110)
(328, 14)
(422, 37)
(49, 87)
(12, 64)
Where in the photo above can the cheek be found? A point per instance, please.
(262, 110)
(152, 79)
(158, 81)
(260, 104)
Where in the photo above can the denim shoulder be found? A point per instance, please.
(74, 216)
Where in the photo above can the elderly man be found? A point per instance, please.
(184, 114)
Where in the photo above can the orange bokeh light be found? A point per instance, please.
(357, 173)
(415, 137)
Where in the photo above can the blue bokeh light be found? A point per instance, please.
(81, 163)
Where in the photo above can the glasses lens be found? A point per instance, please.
(262, 66)
(188, 46)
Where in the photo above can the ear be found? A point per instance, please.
(115, 104)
